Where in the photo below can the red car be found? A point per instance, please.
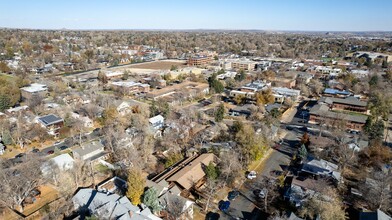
(51, 152)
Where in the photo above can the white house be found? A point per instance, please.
(63, 162)
(156, 122)
(285, 92)
(87, 122)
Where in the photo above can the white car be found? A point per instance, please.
(251, 175)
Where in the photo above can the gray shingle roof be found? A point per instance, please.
(111, 206)
(348, 101)
(323, 110)
(88, 148)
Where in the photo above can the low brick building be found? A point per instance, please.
(320, 114)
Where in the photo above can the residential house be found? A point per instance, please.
(109, 206)
(52, 123)
(87, 122)
(328, 70)
(249, 90)
(321, 168)
(304, 78)
(360, 73)
(16, 110)
(192, 175)
(113, 185)
(157, 122)
(227, 74)
(91, 151)
(299, 190)
(280, 93)
(283, 82)
(188, 174)
(72, 99)
(62, 162)
(357, 145)
(33, 90)
(168, 194)
(244, 110)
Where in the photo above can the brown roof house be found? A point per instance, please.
(192, 173)
(187, 174)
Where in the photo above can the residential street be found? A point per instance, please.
(244, 206)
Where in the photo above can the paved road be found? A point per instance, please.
(245, 205)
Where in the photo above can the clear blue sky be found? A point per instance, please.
(316, 15)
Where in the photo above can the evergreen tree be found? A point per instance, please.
(211, 171)
(220, 113)
(150, 199)
(303, 153)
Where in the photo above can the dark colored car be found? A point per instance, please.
(50, 152)
(276, 173)
(20, 155)
(224, 205)
(233, 194)
(63, 147)
(35, 150)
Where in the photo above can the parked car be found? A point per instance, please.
(57, 142)
(262, 193)
(50, 152)
(251, 175)
(259, 193)
(63, 147)
(232, 195)
(35, 150)
(20, 155)
(276, 173)
(224, 205)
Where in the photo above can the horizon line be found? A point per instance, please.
(193, 29)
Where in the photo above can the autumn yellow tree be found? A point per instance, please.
(136, 182)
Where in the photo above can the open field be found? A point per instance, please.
(159, 65)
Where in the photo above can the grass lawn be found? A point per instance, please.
(197, 215)
(48, 194)
(258, 164)
(9, 215)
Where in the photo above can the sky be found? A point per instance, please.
(289, 15)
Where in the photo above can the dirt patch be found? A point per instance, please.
(159, 65)
(48, 194)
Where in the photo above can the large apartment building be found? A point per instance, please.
(243, 65)
(201, 59)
